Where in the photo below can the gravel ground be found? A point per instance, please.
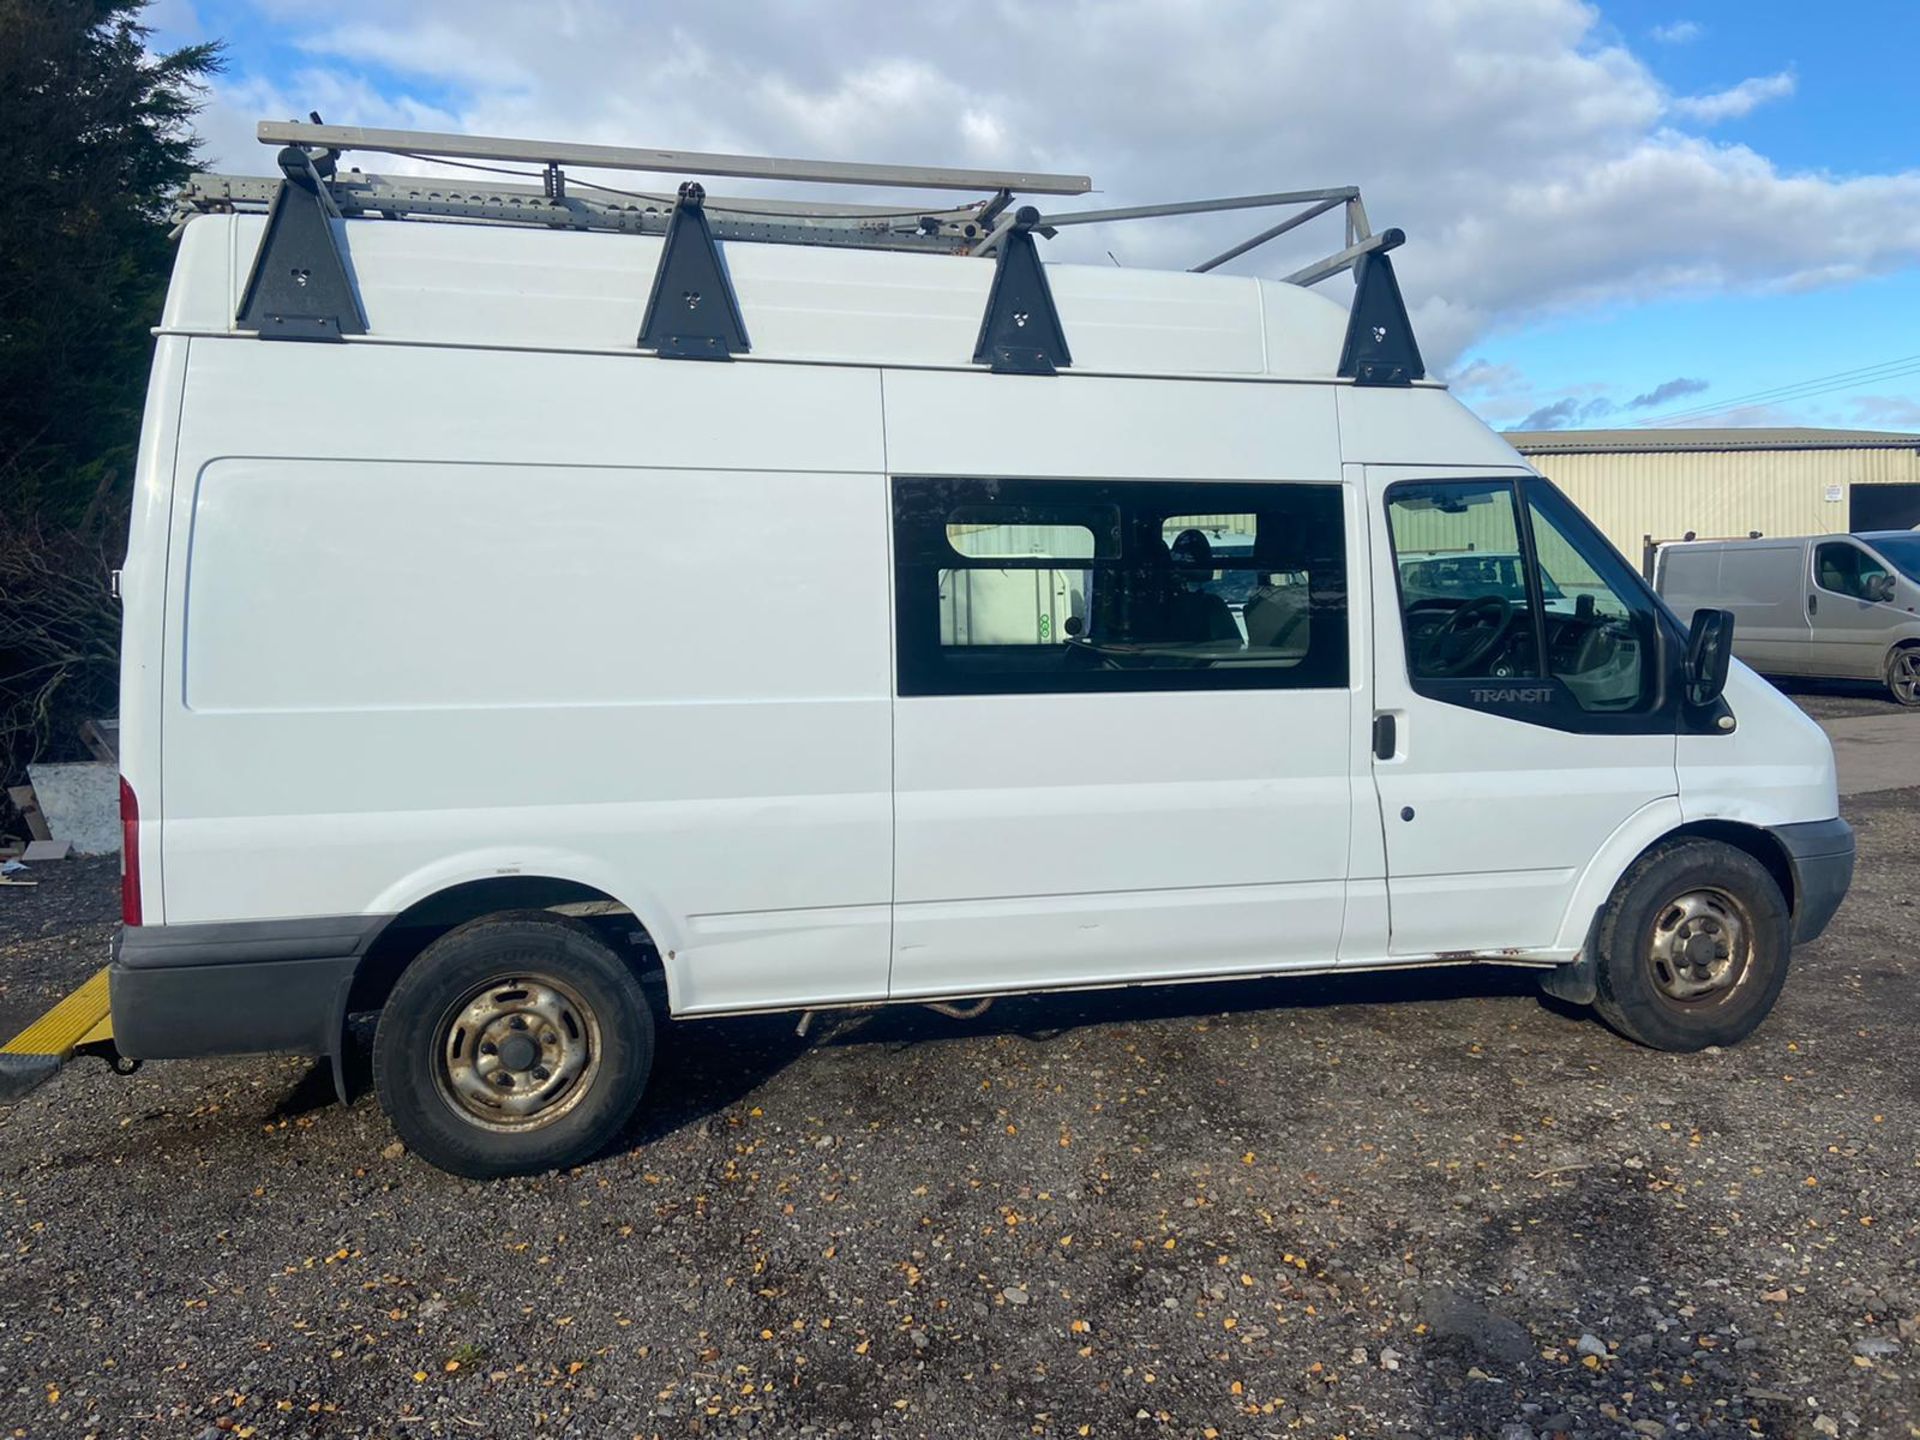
(1414, 1205)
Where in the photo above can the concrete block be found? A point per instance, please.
(82, 805)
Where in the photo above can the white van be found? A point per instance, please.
(958, 628)
(1846, 607)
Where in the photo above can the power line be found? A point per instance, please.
(1798, 390)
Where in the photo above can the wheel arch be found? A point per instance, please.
(1574, 981)
(1657, 824)
(401, 939)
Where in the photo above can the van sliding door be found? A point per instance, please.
(1122, 733)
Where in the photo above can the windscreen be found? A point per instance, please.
(1900, 551)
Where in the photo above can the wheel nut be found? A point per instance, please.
(519, 1022)
(540, 1072)
(503, 1079)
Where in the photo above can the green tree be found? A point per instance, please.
(95, 135)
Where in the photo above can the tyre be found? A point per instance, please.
(1903, 675)
(514, 1044)
(1693, 947)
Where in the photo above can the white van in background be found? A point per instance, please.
(1845, 607)
(481, 663)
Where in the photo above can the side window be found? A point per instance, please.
(1463, 581)
(1847, 569)
(1030, 586)
(1489, 594)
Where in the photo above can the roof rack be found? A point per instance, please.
(299, 286)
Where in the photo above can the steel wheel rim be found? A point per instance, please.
(517, 1053)
(1905, 678)
(1701, 948)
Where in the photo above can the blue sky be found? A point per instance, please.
(1685, 204)
(1851, 113)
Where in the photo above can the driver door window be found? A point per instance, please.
(1489, 591)
(1848, 570)
(1463, 582)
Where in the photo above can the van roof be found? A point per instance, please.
(472, 285)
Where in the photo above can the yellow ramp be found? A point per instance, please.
(82, 1019)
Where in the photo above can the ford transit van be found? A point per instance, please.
(1846, 607)
(522, 619)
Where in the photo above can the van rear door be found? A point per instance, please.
(1502, 767)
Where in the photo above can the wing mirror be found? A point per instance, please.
(1709, 653)
(1880, 588)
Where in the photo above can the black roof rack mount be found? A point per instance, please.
(1020, 333)
(299, 288)
(1380, 348)
(692, 313)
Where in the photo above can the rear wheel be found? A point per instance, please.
(1903, 675)
(1693, 948)
(514, 1044)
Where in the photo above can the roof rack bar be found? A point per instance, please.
(1200, 207)
(1334, 264)
(426, 144)
(1272, 232)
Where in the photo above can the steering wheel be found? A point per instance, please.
(1467, 636)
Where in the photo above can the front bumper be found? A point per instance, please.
(181, 991)
(1822, 853)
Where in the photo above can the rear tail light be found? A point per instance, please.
(129, 854)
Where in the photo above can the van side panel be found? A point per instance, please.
(629, 629)
(1764, 585)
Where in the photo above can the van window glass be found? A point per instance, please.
(1846, 569)
(1903, 551)
(1023, 586)
(1601, 629)
(1463, 580)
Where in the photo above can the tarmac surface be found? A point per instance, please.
(1415, 1205)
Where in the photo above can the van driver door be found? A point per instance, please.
(1524, 715)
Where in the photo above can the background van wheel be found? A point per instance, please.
(1903, 675)
(1693, 947)
(514, 1044)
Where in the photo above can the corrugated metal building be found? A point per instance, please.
(1724, 483)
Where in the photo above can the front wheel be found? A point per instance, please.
(1693, 948)
(1903, 675)
(514, 1044)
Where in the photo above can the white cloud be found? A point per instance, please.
(1739, 101)
(1680, 32)
(1529, 156)
(1891, 412)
